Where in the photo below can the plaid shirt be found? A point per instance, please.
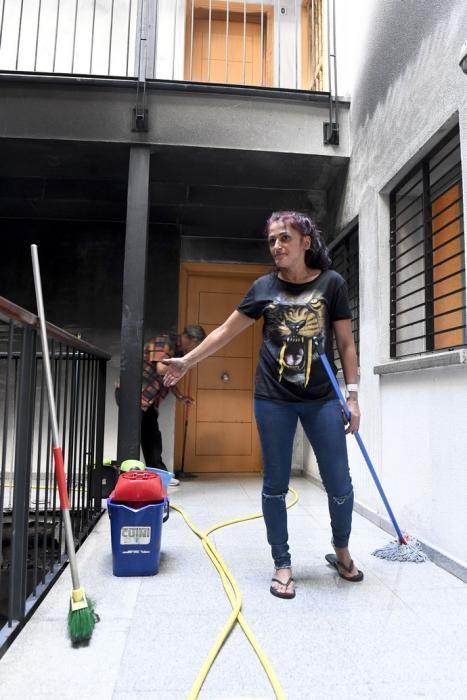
(157, 349)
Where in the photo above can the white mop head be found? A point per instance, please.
(395, 551)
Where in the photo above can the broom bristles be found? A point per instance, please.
(81, 622)
(395, 551)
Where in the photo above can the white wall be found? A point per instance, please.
(406, 91)
(352, 29)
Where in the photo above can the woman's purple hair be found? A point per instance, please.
(317, 256)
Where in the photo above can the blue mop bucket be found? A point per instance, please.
(136, 538)
(165, 478)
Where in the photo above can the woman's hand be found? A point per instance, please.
(161, 367)
(177, 367)
(354, 423)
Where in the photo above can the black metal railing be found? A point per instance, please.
(427, 255)
(32, 544)
(345, 260)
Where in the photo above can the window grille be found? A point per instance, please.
(345, 256)
(427, 255)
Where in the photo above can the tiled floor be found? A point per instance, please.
(399, 634)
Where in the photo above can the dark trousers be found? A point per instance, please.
(151, 438)
(323, 426)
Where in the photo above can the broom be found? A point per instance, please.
(405, 548)
(81, 616)
(182, 474)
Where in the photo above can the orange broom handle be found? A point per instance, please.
(60, 476)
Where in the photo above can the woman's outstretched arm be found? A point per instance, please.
(179, 366)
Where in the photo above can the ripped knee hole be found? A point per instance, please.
(340, 500)
(280, 496)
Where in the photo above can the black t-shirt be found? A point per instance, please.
(289, 368)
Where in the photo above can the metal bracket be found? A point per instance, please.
(330, 134)
(140, 117)
(331, 128)
(140, 111)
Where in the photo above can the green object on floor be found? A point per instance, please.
(130, 464)
(81, 622)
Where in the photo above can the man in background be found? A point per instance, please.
(153, 390)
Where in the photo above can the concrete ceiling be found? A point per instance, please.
(207, 192)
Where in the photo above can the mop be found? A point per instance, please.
(405, 548)
(81, 616)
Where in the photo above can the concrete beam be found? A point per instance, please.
(102, 110)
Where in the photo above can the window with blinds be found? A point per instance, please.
(427, 255)
(345, 256)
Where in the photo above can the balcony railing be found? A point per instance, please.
(32, 543)
(275, 43)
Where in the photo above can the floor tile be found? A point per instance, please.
(398, 634)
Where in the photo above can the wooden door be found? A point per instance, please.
(234, 52)
(221, 435)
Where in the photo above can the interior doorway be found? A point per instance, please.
(221, 431)
(229, 43)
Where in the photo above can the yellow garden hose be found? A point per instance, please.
(233, 593)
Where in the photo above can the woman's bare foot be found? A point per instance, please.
(343, 556)
(282, 584)
(346, 566)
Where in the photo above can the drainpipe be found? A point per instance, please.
(331, 128)
(140, 112)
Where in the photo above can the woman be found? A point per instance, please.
(302, 302)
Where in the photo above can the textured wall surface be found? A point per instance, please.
(408, 91)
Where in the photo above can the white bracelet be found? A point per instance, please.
(352, 387)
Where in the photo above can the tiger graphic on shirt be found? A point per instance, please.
(297, 324)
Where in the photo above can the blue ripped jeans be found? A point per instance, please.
(323, 426)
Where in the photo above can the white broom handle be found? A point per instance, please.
(70, 544)
(45, 345)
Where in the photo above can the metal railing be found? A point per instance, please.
(90, 37)
(32, 545)
(427, 255)
(276, 43)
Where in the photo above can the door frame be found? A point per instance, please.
(193, 269)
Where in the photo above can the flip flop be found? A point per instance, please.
(285, 595)
(334, 562)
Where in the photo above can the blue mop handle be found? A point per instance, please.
(359, 440)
